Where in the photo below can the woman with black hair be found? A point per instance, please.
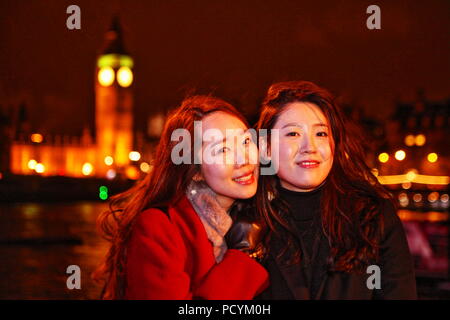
(332, 230)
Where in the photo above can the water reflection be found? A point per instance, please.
(39, 241)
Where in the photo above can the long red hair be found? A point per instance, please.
(352, 199)
(165, 184)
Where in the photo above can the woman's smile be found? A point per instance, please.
(246, 179)
(308, 164)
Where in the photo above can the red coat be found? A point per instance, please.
(169, 256)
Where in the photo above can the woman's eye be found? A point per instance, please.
(222, 150)
(322, 134)
(292, 134)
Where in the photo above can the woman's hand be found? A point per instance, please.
(245, 236)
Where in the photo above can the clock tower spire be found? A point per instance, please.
(114, 101)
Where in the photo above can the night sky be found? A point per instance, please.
(234, 49)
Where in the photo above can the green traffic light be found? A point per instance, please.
(103, 195)
(103, 192)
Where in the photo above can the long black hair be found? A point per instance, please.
(352, 198)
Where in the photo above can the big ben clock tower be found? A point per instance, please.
(114, 102)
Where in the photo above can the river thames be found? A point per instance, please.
(38, 241)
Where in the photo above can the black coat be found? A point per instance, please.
(396, 266)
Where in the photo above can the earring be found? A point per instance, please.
(197, 178)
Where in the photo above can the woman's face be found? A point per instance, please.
(230, 157)
(304, 153)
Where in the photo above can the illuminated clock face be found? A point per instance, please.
(124, 77)
(106, 76)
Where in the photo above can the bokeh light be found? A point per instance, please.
(432, 157)
(403, 199)
(145, 167)
(406, 185)
(132, 173)
(433, 196)
(39, 168)
(409, 140)
(37, 138)
(417, 197)
(134, 156)
(411, 175)
(111, 174)
(420, 140)
(383, 157)
(109, 160)
(87, 168)
(32, 164)
(400, 155)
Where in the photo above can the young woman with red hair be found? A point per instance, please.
(167, 232)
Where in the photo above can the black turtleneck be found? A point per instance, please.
(311, 279)
(304, 213)
(304, 217)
